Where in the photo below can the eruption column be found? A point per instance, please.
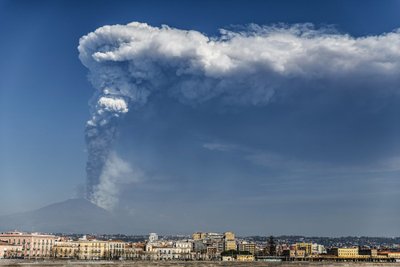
(129, 62)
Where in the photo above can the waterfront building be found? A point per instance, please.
(301, 253)
(241, 257)
(169, 253)
(89, 249)
(228, 258)
(318, 249)
(179, 250)
(116, 249)
(92, 249)
(9, 251)
(368, 252)
(65, 249)
(306, 247)
(34, 245)
(293, 253)
(135, 251)
(390, 254)
(344, 252)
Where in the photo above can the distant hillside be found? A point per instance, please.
(73, 215)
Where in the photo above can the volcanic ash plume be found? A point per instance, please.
(127, 63)
(100, 134)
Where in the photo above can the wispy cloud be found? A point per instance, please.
(219, 147)
(273, 160)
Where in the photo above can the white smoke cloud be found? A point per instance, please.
(116, 173)
(113, 104)
(136, 60)
(129, 63)
(107, 108)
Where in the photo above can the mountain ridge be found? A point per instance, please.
(70, 216)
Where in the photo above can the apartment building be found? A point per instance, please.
(229, 241)
(8, 251)
(34, 245)
(344, 252)
(247, 246)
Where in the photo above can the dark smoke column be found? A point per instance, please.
(100, 134)
(99, 141)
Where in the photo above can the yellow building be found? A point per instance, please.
(394, 255)
(228, 258)
(344, 252)
(199, 236)
(247, 246)
(229, 241)
(65, 250)
(89, 249)
(229, 245)
(244, 257)
(389, 254)
(289, 253)
(229, 236)
(92, 249)
(307, 247)
(292, 253)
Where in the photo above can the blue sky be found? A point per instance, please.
(309, 162)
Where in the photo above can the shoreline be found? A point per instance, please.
(22, 262)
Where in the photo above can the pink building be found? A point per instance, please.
(10, 251)
(34, 245)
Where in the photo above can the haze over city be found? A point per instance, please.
(259, 117)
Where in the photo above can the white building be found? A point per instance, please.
(318, 249)
(184, 244)
(179, 250)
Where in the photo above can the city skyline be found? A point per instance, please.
(184, 116)
(199, 246)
